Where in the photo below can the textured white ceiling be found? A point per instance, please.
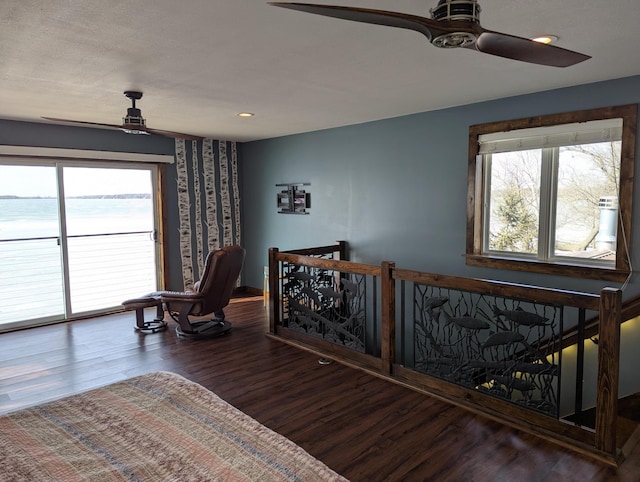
(200, 62)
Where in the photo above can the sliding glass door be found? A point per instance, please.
(110, 233)
(31, 281)
(74, 240)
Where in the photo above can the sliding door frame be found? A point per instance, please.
(61, 158)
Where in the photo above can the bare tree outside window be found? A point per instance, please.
(587, 174)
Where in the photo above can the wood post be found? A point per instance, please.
(608, 370)
(388, 316)
(342, 249)
(274, 290)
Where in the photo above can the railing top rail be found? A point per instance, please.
(333, 264)
(534, 294)
(315, 251)
(44, 238)
(530, 293)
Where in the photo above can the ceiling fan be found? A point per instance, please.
(453, 23)
(133, 122)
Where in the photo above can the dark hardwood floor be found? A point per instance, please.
(363, 427)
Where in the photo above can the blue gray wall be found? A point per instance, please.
(395, 189)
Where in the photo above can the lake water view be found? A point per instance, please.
(111, 255)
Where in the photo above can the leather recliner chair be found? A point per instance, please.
(209, 296)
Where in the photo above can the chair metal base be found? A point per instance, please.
(139, 304)
(153, 326)
(205, 329)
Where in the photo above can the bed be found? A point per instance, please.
(158, 426)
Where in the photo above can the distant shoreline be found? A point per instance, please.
(94, 196)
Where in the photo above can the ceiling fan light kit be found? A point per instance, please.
(453, 24)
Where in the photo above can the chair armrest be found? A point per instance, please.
(180, 296)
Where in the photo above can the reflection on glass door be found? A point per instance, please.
(31, 282)
(73, 240)
(110, 243)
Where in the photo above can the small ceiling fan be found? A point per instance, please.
(453, 23)
(133, 122)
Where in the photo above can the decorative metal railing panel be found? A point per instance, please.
(458, 336)
(324, 303)
(504, 347)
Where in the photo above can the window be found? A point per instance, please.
(552, 194)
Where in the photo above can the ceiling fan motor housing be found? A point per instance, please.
(466, 10)
(457, 10)
(134, 118)
(133, 122)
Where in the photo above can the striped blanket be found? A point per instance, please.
(159, 426)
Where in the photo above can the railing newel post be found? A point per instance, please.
(388, 316)
(342, 250)
(608, 370)
(274, 290)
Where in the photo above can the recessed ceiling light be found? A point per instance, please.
(545, 39)
(246, 114)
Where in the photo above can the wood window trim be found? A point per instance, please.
(474, 254)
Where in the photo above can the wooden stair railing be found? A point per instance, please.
(600, 443)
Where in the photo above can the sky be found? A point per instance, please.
(40, 181)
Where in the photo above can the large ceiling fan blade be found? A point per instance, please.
(454, 24)
(133, 122)
(55, 119)
(147, 130)
(180, 135)
(519, 48)
(426, 26)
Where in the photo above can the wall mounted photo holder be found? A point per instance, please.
(293, 199)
